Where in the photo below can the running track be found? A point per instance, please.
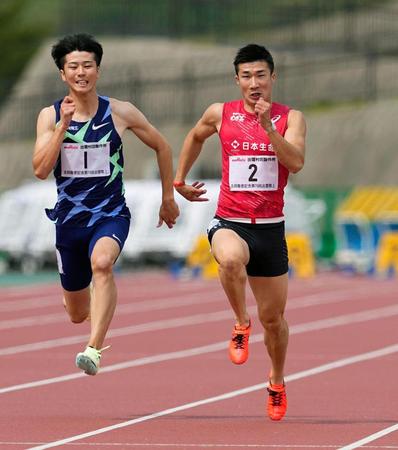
(167, 383)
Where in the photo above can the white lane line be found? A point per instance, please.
(38, 300)
(185, 445)
(226, 396)
(41, 301)
(201, 297)
(31, 299)
(370, 438)
(156, 325)
(185, 321)
(295, 329)
(156, 295)
(151, 305)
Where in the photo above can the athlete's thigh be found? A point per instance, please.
(108, 239)
(105, 252)
(270, 293)
(72, 256)
(269, 255)
(227, 244)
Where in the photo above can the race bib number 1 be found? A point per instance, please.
(253, 173)
(90, 159)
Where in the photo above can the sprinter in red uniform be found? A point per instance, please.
(261, 142)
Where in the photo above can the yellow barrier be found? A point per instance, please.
(201, 257)
(387, 254)
(370, 201)
(301, 256)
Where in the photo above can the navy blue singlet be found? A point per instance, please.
(89, 171)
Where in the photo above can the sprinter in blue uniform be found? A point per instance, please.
(79, 139)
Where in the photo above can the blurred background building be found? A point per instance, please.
(337, 61)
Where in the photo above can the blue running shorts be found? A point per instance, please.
(74, 246)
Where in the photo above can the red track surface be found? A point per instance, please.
(162, 383)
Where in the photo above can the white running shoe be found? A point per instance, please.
(89, 360)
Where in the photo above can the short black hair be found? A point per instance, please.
(251, 53)
(82, 42)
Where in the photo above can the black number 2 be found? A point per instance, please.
(253, 167)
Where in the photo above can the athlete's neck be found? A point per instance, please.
(86, 106)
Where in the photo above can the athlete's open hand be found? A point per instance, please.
(193, 192)
(168, 213)
(68, 108)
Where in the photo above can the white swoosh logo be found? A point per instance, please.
(114, 236)
(96, 127)
(273, 120)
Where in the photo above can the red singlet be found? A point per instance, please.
(253, 180)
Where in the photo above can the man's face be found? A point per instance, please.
(255, 80)
(80, 71)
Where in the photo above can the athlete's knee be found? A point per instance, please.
(272, 322)
(77, 305)
(231, 266)
(102, 263)
(78, 318)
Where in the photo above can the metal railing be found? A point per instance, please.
(229, 20)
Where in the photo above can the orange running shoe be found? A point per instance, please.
(239, 344)
(277, 401)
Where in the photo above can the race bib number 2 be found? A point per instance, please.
(90, 159)
(253, 173)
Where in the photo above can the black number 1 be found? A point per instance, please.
(254, 168)
(85, 160)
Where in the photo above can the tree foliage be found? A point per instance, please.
(21, 32)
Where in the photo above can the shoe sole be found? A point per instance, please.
(84, 362)
(238, 361)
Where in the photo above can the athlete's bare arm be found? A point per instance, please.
(289, 149)
(50, 137)
(127, 116)
(207, 125)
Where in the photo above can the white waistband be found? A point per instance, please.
(255, 220)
